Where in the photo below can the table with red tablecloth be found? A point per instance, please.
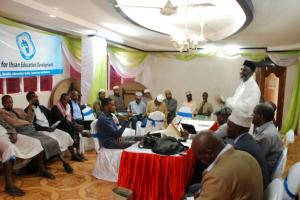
(155, 177)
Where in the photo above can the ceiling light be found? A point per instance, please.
(187, 40)
(52, 16)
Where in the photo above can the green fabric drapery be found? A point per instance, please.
(99, 71)
(74, 46)
(253, 56)
(292, 118)
(130, 58)
(99, 79)
(186, 56)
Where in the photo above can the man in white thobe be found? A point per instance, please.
(247, 95)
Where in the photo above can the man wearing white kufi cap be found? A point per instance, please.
(97, 107)
(237, 129)
(118, 99)
(137, 108)
(147, 96)
(190, 102)
(157, 105)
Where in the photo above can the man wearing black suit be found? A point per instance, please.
(238, 128)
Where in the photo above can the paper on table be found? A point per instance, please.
(55, 124)
(172, 131)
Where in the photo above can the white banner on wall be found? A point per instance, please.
(29, 53)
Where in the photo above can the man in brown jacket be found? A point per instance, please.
(231, 174)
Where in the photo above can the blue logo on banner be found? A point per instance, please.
(25, 45)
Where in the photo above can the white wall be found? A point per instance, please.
(215, 75)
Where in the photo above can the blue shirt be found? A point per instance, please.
(108, 130)
(76, 110)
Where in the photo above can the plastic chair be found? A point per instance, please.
(155, 122)
(274, 191)
(95, 135)
(88, 113)
(278, 172)
(291, 183)
(107, 164)
(183, 113)
(107, 160)
(290, 137)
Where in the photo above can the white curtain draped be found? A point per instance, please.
(283, 59)
(76, 64)
(124, 71)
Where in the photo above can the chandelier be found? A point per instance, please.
(186, 40)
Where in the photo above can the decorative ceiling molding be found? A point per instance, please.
(245, 5)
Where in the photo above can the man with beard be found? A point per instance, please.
(247, 95)
(118, 99)
(23, 123)
(43, 122)
(97, 107)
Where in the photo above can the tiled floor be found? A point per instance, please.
(82, 185)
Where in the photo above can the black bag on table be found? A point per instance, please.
(168, 146)
(149, 140)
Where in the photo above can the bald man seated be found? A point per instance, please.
(226, 176)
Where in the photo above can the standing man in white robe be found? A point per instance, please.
(247, 95)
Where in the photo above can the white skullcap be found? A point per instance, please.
(102, 90)
(160, 98)
(188, 92)
(116, 87)
(138, 94)
(146, 91)
(239, 119)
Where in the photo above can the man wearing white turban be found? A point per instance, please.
(157, 105)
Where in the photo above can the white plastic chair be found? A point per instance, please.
(107, 160)
(107, 164)
(291, 183)
(95, 135)
(183, 113)
(274, 191)
(88, 113)
(290, 137)
(278, 172)
(155, 122)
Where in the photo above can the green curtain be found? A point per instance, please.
(99, 74)
(74, 46)
(186, 56)
(293, 114)
(129, 57)
(254, 56)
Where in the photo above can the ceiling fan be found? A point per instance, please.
(169, 9)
